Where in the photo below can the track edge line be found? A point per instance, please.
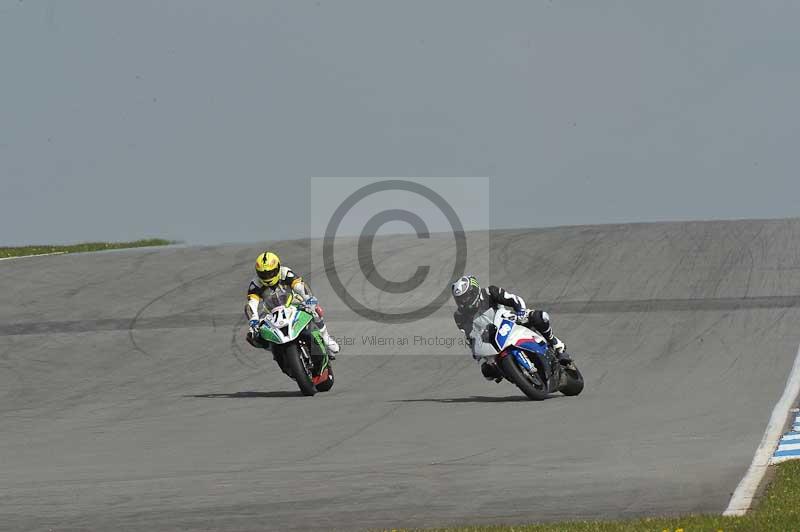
(742, 497)
(36, 255)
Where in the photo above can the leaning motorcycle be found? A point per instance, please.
(296, 343)
(526, 360)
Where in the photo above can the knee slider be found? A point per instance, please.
(490, 371)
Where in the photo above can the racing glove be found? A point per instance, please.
(312, 303)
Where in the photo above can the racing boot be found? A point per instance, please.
(540, 321)
(333, 346)
(553, 341)
(491, 372)
(560, 350)
(557, 345)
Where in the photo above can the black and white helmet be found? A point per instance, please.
(467, 293)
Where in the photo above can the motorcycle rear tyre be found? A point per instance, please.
(328, 384)
(573, 380)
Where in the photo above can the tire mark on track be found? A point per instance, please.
(131, 268)
(748, 247)
(593, 306)
(455, 461)
(374, 370)
(236, 351)
(19, 384)
(181, 286)
(67, 398)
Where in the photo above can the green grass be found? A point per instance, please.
(777, 511)
(25, 251)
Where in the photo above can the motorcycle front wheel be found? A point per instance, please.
(526, 383)
(293, 359)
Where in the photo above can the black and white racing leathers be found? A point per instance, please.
(474, 323)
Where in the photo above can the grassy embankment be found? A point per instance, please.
(777, 511)
(25, 251)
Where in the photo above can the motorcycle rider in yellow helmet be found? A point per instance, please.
(270, 275)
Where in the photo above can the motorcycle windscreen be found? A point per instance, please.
(279, 297)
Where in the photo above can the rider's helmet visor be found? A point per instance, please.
(469, 299)
(270, 277)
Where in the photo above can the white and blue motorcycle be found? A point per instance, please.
(525, 359)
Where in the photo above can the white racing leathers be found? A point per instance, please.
(481, 351)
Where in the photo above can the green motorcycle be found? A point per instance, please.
(296, 343)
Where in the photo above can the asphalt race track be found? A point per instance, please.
(130, 401)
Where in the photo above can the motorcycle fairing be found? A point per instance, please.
(518, 340)
(510, 333)
(504, 329)
(301, 319)
(284, 324)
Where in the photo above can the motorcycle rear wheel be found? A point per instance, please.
(573, 380)
(327, 384)
(513, 373)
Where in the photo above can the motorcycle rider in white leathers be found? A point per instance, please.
(475, 313)
(271, 276)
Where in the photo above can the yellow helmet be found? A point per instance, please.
(268, 268)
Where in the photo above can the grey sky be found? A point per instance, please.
(182, 119)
